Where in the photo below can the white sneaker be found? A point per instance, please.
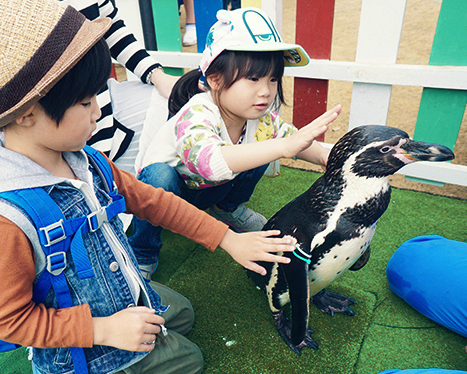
(190, 35)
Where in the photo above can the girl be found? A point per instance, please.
(216, 148)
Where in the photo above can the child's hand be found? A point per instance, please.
(256, 246)
(131, 329)
(303, 138)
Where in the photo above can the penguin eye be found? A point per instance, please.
(385, 149)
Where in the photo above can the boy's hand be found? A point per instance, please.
(249, 247)
(131, 329)
(303, 138)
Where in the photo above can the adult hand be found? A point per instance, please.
(163, 82)
(131, 329)
(246, 248)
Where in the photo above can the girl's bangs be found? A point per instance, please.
(260, 64)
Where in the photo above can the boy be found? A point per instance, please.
(52, 64)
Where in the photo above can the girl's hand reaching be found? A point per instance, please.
(248, 156)
(249, 247)
(304, 138)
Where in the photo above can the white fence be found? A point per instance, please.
(374, 72)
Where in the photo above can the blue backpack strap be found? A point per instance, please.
(5, 346)
(53, 237)
(95, 219)
(102, 166)
(55, 242)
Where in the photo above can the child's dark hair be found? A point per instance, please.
(182, 91)
(232, 66)
(84, 80)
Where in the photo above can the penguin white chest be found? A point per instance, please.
(339, 259)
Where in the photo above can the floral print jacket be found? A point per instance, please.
(191, 141)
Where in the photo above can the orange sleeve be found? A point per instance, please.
(165, 209)
(21, 320)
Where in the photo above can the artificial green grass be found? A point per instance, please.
(234, 328)
(236, 333)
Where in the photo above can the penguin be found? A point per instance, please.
(333, 223)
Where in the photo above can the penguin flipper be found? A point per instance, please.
(362, 261)
(296, 275)
(331, 302)
(283, 328)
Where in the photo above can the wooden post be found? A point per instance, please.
(205, 15)
(254, 3)
(147, 24)
(441, 110)
(314, 33)
(378, 41)
(167, 29)
(113, 73)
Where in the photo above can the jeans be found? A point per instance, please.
(146, 239)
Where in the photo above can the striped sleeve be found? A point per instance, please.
(123, 45)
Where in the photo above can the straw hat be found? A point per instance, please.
(40, 41)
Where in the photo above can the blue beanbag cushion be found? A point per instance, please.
(422, 371)
(430, 273)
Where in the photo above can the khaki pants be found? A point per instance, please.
(172, 353)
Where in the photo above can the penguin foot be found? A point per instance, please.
(331, 302)
(283, 328)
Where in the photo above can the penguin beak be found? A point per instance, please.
(420, 151)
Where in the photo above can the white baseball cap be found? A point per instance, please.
(248, 29)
